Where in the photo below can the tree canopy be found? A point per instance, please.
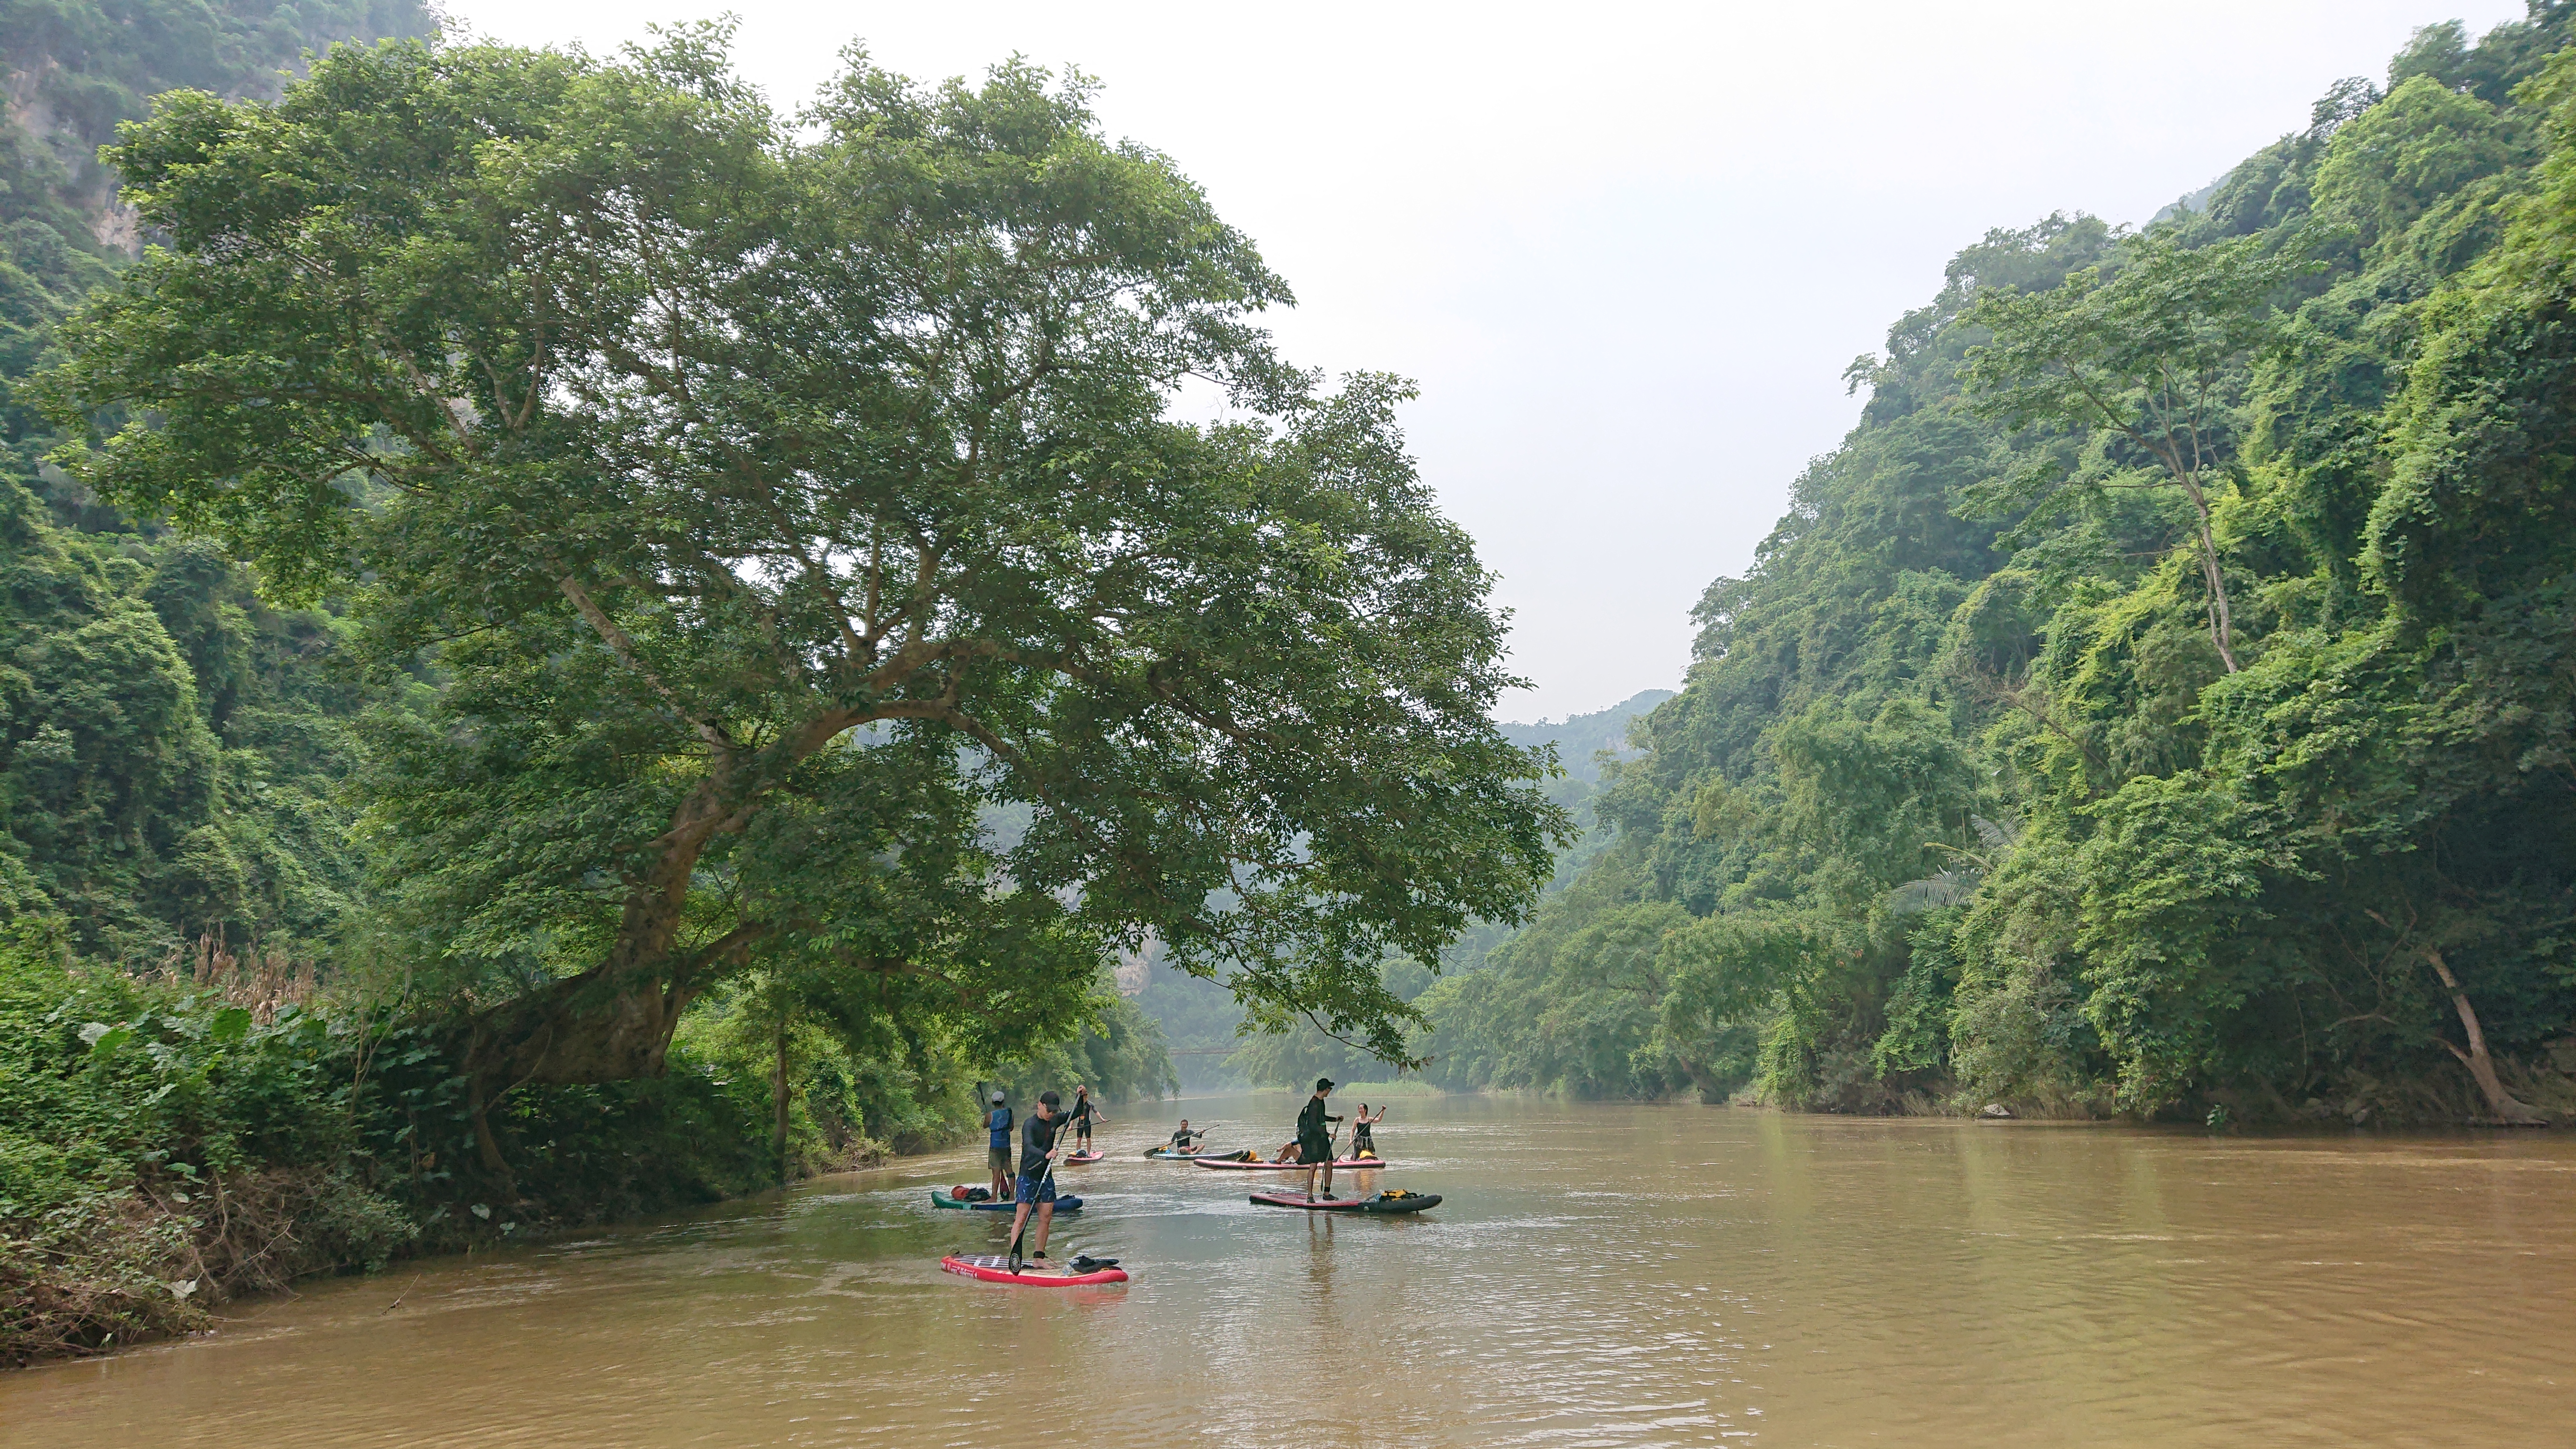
(787, 508)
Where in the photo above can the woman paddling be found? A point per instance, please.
(1363, 1141)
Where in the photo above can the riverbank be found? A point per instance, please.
(2544, 1081)
(220, 1129)
(223, 1128)
(169, 1144)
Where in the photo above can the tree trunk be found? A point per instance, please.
(582, 1030)
(2222, 620)
(778, 1098)
(1701, 1079)
(477, 1108)
(2476, 1059)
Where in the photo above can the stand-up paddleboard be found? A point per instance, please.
(1346, 1164)
(995, 1268)
(1382, 1203)
(940, 1199)
(1165, 1154)
(1078, 1159)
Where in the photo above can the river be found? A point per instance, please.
(1598, 1275)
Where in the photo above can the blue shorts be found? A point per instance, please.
(1038, 1188)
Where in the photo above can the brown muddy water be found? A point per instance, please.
(1598, 1275)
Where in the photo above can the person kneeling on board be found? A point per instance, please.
(1186, 1140)
(1037, 1184)
(1314, 1143)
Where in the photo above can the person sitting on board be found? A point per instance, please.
(1083, 1113)
(1314, 1143)
(997, 1156)
(1363, 1142)
(1186, 1140)
(1037, 1185)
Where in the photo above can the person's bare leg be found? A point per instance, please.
(1310, 1184)
(1046, 1220)
(1020, 1220)
(1328, 1180)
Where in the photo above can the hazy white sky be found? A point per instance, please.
(1626, 250)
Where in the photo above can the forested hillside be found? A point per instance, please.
(169, 743)
(2160, 702)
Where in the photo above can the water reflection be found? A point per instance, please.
(1599, 1275)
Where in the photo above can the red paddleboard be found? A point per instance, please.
(1077, 1159)
(1346, 1164)
(995, 1268)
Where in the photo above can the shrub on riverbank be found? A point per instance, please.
(167, 1144)
(162, 1148)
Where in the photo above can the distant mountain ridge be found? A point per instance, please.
(1582, 736)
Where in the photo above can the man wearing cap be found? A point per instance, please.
(998, 1155)
(1314, 1143)
(1037, 1185)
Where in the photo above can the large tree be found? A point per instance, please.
(818, 568)
(2145, 364)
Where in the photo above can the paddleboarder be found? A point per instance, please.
(1083, 1113)
(1186, 1140)
(997, 1156)
(1037, 1185)
(1363, 1141)
(1314, 1142)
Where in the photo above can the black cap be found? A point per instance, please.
(1323, 1084)
(1049, 1099)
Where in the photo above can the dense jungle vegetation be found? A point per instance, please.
(2160, 702)
(575, 643)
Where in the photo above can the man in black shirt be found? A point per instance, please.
(1037, 1182)
(1314, 1143)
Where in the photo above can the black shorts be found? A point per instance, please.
(1312, 1150)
